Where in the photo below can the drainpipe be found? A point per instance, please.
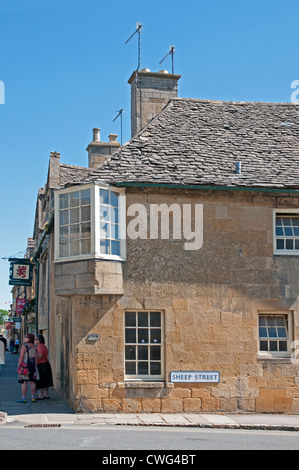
(34, 259)
(36, 296)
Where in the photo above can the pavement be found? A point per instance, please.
(56, 412)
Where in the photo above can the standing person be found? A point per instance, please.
(4, 340)
(28, 356)
(2, 354)
(44, 368)
(17, 345)
(11, 345)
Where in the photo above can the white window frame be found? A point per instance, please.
(277, 212)
(276, 354)
(139, 377)
(95, 252)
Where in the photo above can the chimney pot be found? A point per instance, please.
(96, 134)
(112, 138)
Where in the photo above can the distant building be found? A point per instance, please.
(195, 310)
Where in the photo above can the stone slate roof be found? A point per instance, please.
(197, 142)
(71, 174)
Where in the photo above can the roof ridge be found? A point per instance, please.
(207, 100)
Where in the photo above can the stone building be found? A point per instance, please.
(169, 269)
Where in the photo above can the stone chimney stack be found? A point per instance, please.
(150, 92)
(98, 151)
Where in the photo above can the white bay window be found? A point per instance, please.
(89, 222)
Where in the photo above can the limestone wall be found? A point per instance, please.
(210, 299)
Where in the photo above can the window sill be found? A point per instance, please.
(286, 253)
(89, 258)
(136, 384)
(286, 359)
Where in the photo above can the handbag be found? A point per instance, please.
(23, 369)
(30, 364)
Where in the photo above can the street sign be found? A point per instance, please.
(17, 319)
(195, 376)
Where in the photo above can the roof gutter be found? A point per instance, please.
(215, 188)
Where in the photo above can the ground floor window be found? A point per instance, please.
(274, 334)
(144, 341)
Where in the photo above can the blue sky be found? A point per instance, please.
(65, 67)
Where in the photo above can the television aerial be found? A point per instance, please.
(138, 31)
(120, 113)
(170, 52)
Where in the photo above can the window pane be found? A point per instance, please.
(74, 199)
(130, 353)
(142, 336)
(279, 321)
(155, 336)
(263, 332)
(155, 319)
(296, 244)
(114, 215)
(155, 353)
(85, 213)
(286, 221)
(272, 332)
(85, 230)
(155, 368)
(295, 221)
(130, 335)
(282, 332)
(283, 346)
(142, 353)
(105, 247)
(130, 319)
(280, 244)
(142, 319)
(130, 368)
(63, 249)
(74, 215)
(115, 248)
(273, 345)
(263, 345)
(63, 233)
(74, 248)
(143, 368)
(288, 231)
(114, 199)
(279, 231)
(63, 201)
(75, 232)
(63, 217)
(270, 321)
(104, 213)
(104, 196)
(289, 245)
(114, 231)
(85, 197)
(262, 321)
(104, 230)
(85, 246)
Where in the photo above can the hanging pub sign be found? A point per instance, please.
(20, 273)
(19, 305)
